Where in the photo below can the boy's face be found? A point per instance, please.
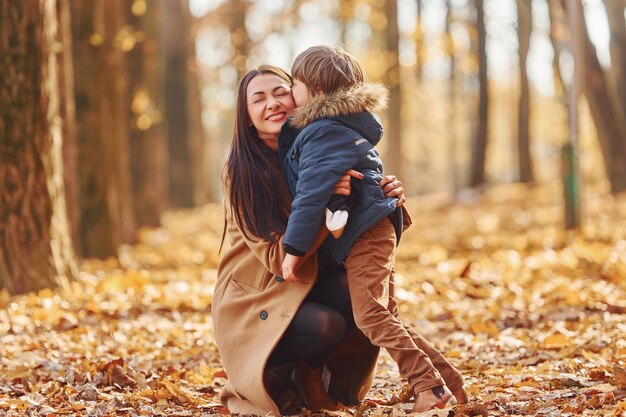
(301, 94)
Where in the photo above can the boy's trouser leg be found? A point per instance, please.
(369, 265)
(453, 378)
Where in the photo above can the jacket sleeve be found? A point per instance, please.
(270, 254)
(325, 155)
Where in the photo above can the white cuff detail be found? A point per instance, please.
(336, 222)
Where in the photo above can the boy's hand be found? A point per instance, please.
(289, 267)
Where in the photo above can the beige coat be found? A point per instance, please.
(251, 310)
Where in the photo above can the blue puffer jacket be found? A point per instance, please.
(321, 141)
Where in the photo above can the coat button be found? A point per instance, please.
(263, 315)
(280, 279)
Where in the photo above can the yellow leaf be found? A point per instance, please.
(590, 356)
(619, 376)
(120, 281)
(620, 410)
(556, 341)
(453, 354)
(530, 382)
(487, 327)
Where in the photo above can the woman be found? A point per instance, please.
(261, 321)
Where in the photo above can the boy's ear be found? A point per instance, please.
(318, 91)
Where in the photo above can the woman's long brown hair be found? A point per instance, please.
(255, 187)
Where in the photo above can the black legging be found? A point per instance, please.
(319, 325)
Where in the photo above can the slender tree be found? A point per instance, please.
(68, 115)
(524, 29)
(147, 127)
(206, 187)
(617, 46)
(479, 145)
(603, 104)
(185, 135)
(557, 25)
(102, 39)
(569, 152)
(35, 244)
(393, 159)
(180, 182)
(345, 14)
(420, 38)
(452, 100)
(239, 38)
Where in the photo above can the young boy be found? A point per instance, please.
(340, 132)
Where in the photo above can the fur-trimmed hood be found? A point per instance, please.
(362, 98)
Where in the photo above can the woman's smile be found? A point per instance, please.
(269, 104)
(277, 117)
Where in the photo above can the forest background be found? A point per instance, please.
(506, 125)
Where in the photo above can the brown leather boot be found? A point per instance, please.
(311, 387)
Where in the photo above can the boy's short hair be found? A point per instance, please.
(326, 68)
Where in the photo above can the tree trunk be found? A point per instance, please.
(180, 131)
(115, 115)
(147, 129)
(606, 116)
(479, 145)
(101, 41)
(239, 39)
(452, 99)
(610, 134)
(68, 115)
(617, 27)
(35, 244)
(393, 128)
(420, 53)
(345, 14)
(557, 23)
(524, 29)
(206, 187)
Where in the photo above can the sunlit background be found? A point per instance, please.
(438, 107)
(318, 24)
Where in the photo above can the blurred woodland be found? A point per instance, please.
(113, 112)
(115, 119)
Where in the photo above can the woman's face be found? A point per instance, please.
(269, 103)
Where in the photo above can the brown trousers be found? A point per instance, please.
(370, 273)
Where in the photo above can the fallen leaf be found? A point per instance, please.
(556, 341)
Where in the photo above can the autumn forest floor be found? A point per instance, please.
(534, 317)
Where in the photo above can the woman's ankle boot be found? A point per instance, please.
(309, 382)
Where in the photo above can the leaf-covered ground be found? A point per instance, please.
(534, 317)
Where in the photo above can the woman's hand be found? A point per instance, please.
(392, 187)
(343, 185)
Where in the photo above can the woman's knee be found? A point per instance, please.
(332, 323)
(335, 293)
(328, 327)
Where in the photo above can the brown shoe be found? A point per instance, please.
(309, 383)
(431, 398)
(461, 396)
